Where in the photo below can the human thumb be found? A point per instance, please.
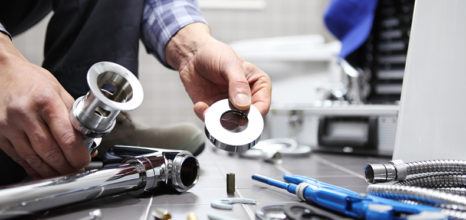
(239, 91)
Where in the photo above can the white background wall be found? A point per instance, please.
(165, 99)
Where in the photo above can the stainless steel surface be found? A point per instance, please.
(233, 130)
(113, 88)
(142, 172)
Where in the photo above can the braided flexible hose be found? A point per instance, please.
(440, 183)
(429, 166)
(398, 170)
(428, 196)
(454, 214)
(435, 180)
(453, 190)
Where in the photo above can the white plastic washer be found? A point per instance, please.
(230, 140)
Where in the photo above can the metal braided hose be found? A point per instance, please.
(429, 166)
(452, 207)
(435, 180)
(453, 190)
(423, 195)
(454, 214)
(398, 170)
(440, 183)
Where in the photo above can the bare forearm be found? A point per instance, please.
(184, 45)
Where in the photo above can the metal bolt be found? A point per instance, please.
(230, 183)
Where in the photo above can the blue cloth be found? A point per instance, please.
(350, 21)
(164, 18)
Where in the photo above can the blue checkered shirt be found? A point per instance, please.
(162, 19)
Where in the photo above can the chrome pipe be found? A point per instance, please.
(138, 172)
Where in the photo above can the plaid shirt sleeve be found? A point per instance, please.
(164, 18)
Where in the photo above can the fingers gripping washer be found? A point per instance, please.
(231, 129)
(113, 88)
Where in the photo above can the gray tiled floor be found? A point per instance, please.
(340, 170)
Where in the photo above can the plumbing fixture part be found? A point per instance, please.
(398, 170)
(230, 183)
(113, 88)
(231, 129)
(161, 214)
(227, 203)
(141, 170)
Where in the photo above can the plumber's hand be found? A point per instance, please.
(35, 129)
(210, 70)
